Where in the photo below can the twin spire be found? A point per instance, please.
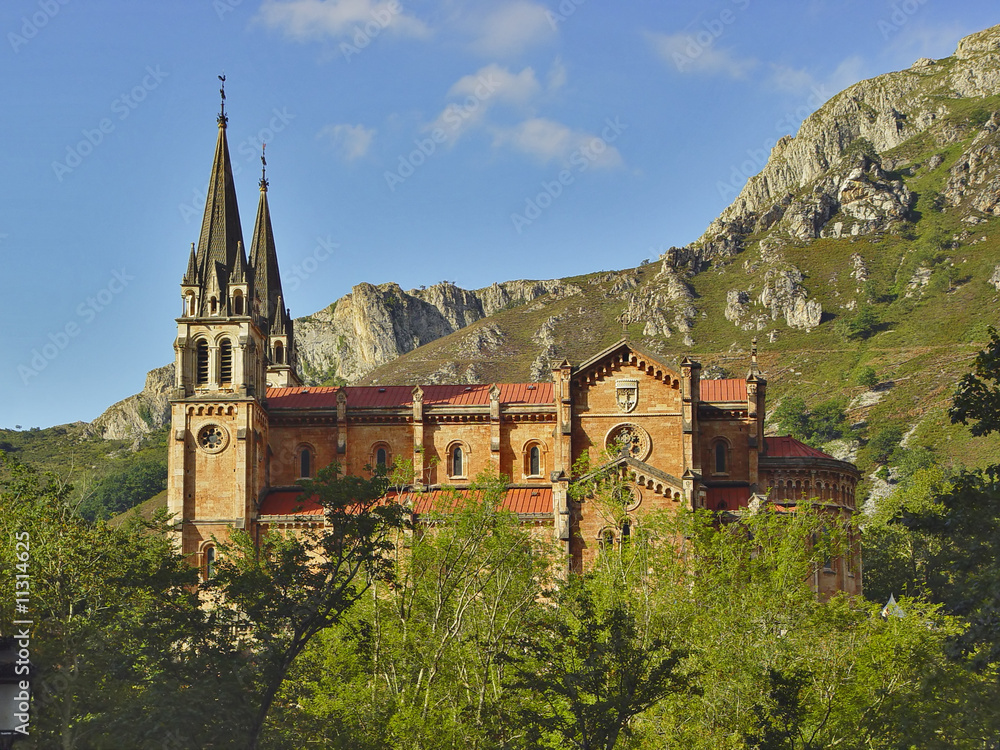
(220, 260)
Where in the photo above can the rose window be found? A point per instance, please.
(213, 438)
(628, 440)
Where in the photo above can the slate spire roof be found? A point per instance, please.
(191, 275)
(264, 259)
(221, 233)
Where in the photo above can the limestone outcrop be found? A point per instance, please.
(133, 417)
(375, 324)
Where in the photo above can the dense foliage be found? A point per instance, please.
(458, 632)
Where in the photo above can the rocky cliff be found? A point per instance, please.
(137, 415)
(375, 324)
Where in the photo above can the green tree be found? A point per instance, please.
(866, 376)
(108, 605)
(421, 662)
(864, 323)
(278, 592)
(591, 668)
(824, 422)
(883, 443)
(977, 400)
(124, 488)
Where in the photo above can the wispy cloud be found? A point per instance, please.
(511, 28)
(304, 20)
(474, 95)
(689, 55)
(349, 141)
(548, 141)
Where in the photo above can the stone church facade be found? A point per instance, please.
(245, 429)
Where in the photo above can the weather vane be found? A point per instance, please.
(222, 92)
(263, 167)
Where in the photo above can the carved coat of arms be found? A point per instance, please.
(627, 394)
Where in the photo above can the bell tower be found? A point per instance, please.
(219, 424)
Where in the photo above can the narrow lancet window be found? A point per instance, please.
(225, 362)
(720, 458)
(202, 362)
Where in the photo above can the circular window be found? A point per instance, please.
(630, 440)
(630, 497)
(213, 438)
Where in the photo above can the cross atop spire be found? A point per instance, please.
(222, 119)
(263, 168)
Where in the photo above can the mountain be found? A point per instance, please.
(870, 239)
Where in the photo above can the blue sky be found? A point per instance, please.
(408, 140)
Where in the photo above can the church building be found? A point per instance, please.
(245, 430)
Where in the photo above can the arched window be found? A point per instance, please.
(214, 306)
(721, 457)
(305, 459)
(201, 356)
(626, 532)
(381, 458)
(457, 463)
(189, 304)
(209, 562)
(535, 461)
(279, 353)
(225, 361)
(238, 303)
(606, 539)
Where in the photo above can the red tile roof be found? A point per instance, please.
(517, 500)
(726, 498)
(727, 389)
(398, 396)
(289, 503)
(789, 447)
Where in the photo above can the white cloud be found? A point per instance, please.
(314, 19)
(688, 54)
(547, 140)
(511, 28)
(476, 94)
(350, 141)
(556, 77)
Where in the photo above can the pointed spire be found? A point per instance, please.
(279, 324)
(221, 232)
(240, 274)
(191, 276)
(264, 260)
